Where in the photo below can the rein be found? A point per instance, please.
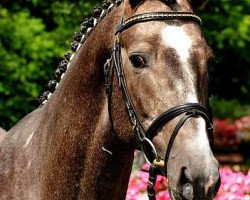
(144, 136)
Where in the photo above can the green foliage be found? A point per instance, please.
(227, 29)
(229, 24)
(31, 45)
(228, 108)
(25, 49)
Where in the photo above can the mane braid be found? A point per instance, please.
(78, 40)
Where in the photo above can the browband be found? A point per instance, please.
(157, 16)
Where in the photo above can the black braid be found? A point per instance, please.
(67, 56)
(85, 29)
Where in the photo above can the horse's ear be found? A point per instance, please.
(196, 4)
(135, 3)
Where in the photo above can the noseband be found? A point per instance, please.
(145, 136)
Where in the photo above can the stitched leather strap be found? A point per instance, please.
(164, 118)
(157, 16)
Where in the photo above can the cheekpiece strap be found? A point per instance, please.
(157, 16)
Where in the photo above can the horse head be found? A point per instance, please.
(162, 62)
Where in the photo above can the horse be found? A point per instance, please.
(137, 77)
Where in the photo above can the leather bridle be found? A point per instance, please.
(145, 136)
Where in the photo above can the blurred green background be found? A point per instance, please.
(35, 34)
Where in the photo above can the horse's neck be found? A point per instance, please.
(107, 165)
(77, 124)
(75, 107)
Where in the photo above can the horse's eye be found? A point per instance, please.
(137, 61)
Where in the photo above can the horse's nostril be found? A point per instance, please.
(185, 176)
(186, 184)
(187, 191)
(194, 184)
(213, 184)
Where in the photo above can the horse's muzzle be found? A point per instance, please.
(194, 188)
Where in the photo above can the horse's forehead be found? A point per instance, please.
(177, 38)
(162, 6)
(174, 33)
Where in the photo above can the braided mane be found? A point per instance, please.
(78, 40)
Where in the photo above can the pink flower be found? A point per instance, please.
(225, 133)
(234, 186)
(163, 196)
(243, 123)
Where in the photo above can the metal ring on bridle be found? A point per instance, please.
(148, 142)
